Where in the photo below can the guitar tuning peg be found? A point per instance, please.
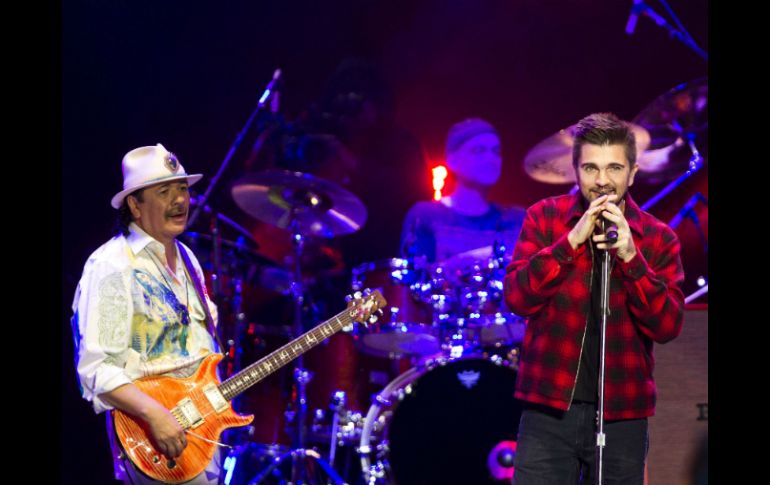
(357, 295)
(348, 298)
(367, 292)
(373, 319)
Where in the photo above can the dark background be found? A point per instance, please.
(188, 74)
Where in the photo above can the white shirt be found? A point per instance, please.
(132, 317)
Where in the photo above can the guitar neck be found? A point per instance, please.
(265, 366)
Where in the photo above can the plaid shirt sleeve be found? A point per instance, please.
(653, 279)
(538, 267)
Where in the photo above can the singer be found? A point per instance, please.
(554, 280)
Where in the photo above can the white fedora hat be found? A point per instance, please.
(150, 165)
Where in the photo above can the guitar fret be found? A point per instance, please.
(262, 368)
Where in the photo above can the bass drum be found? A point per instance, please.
(450, 421)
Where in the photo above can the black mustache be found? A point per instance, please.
(176, 213)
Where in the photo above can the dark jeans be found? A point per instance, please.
(556, 448)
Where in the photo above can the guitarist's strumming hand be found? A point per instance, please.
(164, 429)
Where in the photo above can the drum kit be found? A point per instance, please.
(426, 395)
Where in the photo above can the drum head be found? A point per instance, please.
(444, 430)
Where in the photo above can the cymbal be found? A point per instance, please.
(676, 114)
(314, 206)
(550, 161)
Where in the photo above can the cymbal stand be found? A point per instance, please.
(299, 455)
(695, 164)
(641, 8)
(231, 363)
(301, 375)
(688, 210)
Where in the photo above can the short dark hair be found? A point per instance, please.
(604, 129)
(124, 217)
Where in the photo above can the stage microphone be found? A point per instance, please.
(610, 230)
(633, 16)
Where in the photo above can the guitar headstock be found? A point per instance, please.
(365, 307)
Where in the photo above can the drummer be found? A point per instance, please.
(464, 224)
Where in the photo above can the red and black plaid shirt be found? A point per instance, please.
(550, 283)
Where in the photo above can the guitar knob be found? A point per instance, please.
(171, 464)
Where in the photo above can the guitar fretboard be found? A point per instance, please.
(282, 356)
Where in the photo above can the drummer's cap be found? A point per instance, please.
(463, 131)
(150, 165)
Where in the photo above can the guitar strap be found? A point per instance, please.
(199, 290)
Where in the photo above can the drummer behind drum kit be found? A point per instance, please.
(446, 348)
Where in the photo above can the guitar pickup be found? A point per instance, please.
(190, 413)
(216, 399)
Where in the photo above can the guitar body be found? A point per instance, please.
(135, 439)
(202, 405)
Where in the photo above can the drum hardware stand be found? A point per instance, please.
(232, 363)
(299, 454)
(337, 405)
(688, 210)
(698, 293)
(304, 205)
(641, 8)
(695, 164)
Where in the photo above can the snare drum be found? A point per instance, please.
(447, 422)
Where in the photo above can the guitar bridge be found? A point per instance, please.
(189, 414)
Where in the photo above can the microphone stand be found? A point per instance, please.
(236, 143)
(605, 308)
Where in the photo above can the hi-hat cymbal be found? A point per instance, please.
(676, 114)
(550, 161)
(299, 201)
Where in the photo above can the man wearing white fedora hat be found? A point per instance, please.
(138, 308)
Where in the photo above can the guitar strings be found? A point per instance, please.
(208, 440)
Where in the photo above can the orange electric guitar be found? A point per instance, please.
(202, 405)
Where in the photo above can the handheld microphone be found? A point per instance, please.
(610, 230)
